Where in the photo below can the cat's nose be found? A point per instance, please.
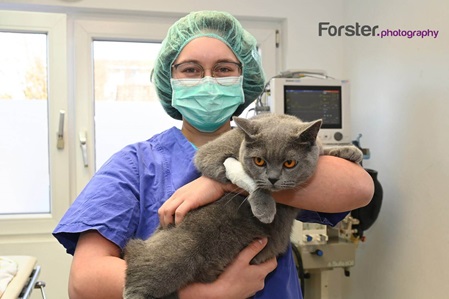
(273, 180)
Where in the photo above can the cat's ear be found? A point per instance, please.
(310, 133)
(246, 125)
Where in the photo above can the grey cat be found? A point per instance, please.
(277, 152)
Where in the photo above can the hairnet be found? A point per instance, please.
(222, 26)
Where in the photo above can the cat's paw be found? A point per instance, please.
(348, 152)
(262, 205)
(237, 175)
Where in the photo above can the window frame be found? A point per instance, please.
(55, 26)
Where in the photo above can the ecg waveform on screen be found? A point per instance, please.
(311, 104)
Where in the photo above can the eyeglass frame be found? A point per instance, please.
(203, 74)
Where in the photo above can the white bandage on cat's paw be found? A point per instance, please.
(237, 175)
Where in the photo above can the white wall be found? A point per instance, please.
(400, 93)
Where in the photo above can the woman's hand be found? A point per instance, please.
(197, 193)
(240, 280)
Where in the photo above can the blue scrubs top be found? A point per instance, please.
(122, 199)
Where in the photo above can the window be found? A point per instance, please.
(127, 108)
(24, 124)
(34, 179)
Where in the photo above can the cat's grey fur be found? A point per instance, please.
(209, 238)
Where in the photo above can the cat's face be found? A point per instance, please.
(279, 155)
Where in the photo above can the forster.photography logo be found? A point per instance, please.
(357, 29)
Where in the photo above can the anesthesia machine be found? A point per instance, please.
(311, 95)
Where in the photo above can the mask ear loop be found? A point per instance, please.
(151, 75)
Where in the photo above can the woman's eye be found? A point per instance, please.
(290, 163)
(191, 70)
(222, 70)
(259, 161)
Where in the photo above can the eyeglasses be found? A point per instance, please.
(195, 71)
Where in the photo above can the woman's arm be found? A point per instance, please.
(337, 186)
(98, 272)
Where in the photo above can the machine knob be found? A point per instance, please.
(338, 136)
(309, 238)
(318, 252)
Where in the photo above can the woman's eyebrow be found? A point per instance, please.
(215, 62)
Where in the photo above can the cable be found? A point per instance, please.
(299, 268)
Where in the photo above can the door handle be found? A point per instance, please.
(60, 141)
(83, 145)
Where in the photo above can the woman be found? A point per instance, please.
(208, 69)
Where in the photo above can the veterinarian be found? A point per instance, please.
(206, 57)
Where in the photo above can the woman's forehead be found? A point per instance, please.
(206, 50)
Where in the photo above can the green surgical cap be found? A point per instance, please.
(222, 26)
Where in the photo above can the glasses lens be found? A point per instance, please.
(188, 70)
(191, 73)
(226, 69)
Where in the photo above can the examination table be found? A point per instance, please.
(25, 280)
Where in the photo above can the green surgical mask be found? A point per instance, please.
(207, 103)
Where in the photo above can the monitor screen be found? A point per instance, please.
(315, 102)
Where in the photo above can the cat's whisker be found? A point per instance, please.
(231, 198)
(229, 201)
(243, 201)
(234, 194)
(299, 187)
(236, 191)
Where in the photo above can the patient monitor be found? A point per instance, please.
(315, 97)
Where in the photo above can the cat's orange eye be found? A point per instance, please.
(259, 161)
(290, 163)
